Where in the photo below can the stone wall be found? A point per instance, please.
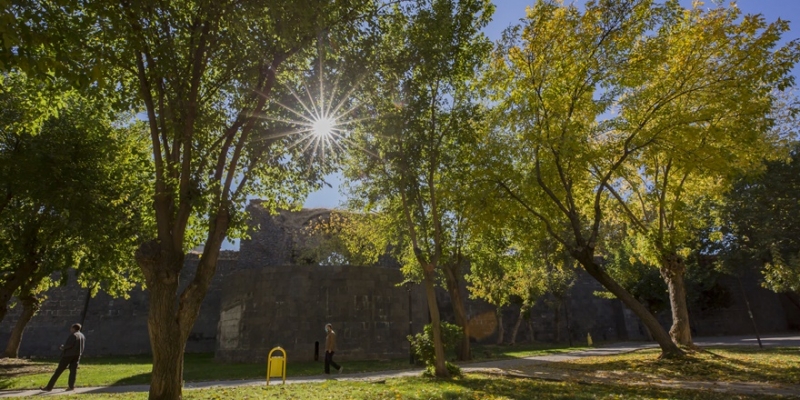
(586, 313)
(252, 305)
(768, 311)
(277, 239)
(289, 306)
(112, 326)
(583, 313)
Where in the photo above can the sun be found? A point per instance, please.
(320, 124)
(323, 127)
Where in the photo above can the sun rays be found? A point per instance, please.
(319, 125)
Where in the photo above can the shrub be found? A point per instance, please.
(422, 346)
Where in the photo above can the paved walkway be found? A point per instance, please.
(528, 367)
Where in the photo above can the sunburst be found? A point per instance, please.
(321, 124)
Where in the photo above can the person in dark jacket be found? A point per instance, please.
(330, 348)
(71, 353)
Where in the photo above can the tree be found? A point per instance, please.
(763, 212)
(583, 94)
(204, 73)
(489, 279)
(685, 173)
(503, 271)
(75, 198)
(349, 238)
(416, 146)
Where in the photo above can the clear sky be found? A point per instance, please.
(509, 12)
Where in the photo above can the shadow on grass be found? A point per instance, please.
(139, 379)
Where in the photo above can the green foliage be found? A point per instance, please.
(415, 155)
(414, 150)
(504, 271)
(629, 111)
(74, 192)
(348, 238)
(580, 113)
(204, 74)
(422, 346)
(646, 284)
(762, 210)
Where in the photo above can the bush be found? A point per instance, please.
(422, 346)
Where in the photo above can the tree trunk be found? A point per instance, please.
(440, 369)
(22, 273)
(531, 336)
(30, 305)
(171, 315)
(162, 272)
(451, 273)
(673, 271)
(522, 310)
(557, 321)
(501, 331)
(168, 345)
(668, 348)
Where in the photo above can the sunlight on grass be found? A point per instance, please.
(135, 370)
(473, 386)
(744, 364)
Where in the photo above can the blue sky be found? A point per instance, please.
(509, 12)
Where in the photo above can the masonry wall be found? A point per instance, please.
(768, 311)
(279, 239)
(289, 306)
(580, 313)
(257, 305)
(112, 326)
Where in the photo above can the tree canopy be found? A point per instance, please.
(75, 194)
(585, 96)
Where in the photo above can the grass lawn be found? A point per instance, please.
(473, 386)
(105, 371)
(743, 364)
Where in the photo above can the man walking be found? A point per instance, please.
(330, 348)
(71, 353)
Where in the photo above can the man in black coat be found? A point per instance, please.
(71, 353)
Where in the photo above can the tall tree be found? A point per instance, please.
(75, 198)
(417, 144)
(583, 93)
(204, 73)
(684, 173)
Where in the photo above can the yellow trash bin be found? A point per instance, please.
(276, 364)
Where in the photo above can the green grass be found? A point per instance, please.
(495, 352)
(112, 371)
(742, 364)
(781, 365)
(473, 386)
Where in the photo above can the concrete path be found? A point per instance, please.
(528, 367)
